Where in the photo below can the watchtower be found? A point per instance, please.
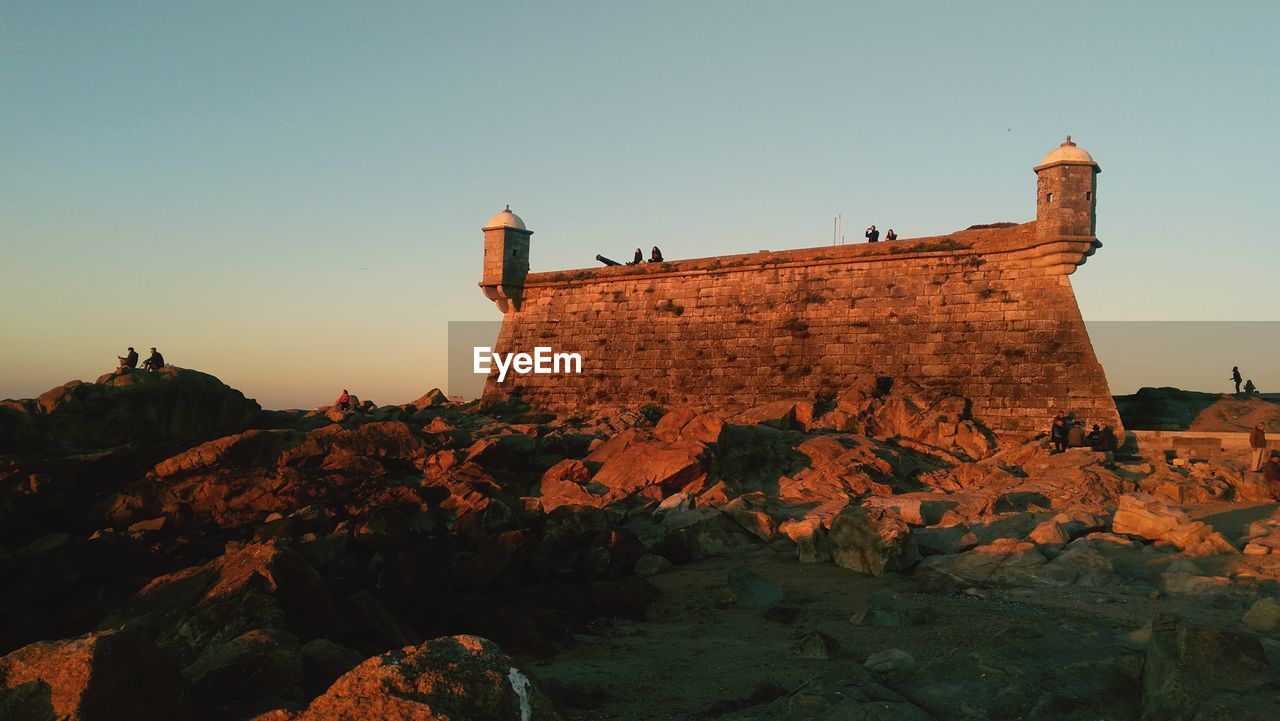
(506, 260)
(1066, 193)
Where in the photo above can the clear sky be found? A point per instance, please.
(289, 194)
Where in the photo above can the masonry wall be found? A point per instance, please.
(970, 312)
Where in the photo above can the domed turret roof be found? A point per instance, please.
(1068, 152)
(505, 219)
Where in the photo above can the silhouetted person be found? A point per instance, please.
(1235, 377)
(1249, 387)
(344, 401)
(873, 235)
(891, 235)
(1058, 432)
(1258, 446)
(1094, 437)
(638, 259)
(1075, 436)
(154, 362)
(655, 255)
(128, 362)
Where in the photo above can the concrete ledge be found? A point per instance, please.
(1172, 440)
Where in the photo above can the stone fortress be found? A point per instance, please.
(987, 313)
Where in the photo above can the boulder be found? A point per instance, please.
(904, 410)
(1005, 560)
(1143, 516)
(258, 587)
(784, 414)
(704, 428)
(816, 645)
(941, 540)
(887, 609)
(453, 678)
(652, 564)
(431, 399)
(1190, 668)
(669, 426)
(915, 509)
(667, 466)
(564, 485)
(810, 537)
(751, 590)
(1264, 616)
(255, 671)
(872, 540)
(173, 404)
(98, 677)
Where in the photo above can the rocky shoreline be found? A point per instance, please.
(170, 550)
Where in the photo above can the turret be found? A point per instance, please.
(1066, 193)
(506, 260)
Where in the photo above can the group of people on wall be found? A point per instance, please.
(129, 361)
(873, 235)
(655, 256)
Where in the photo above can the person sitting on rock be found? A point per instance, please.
(344, 401)
(154, 362)
(638, 258)
(1058, 432)
(1075, 436)
(1249, 387)
(1094, 437)
(1107, 444)
(872, 235)
(128, 361)
(655, 255)
(891, 235)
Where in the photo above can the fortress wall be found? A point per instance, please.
(974, 312)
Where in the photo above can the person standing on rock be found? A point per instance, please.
(1258, 445)
(1236, 377)
(154, 362)
(1058, 432)
(873, 235)
(344, 401)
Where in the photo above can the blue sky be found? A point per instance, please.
(289, 194)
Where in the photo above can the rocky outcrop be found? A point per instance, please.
(174, 404)
(1143, 516)
(455, 678)
(257, 588)
(1193, 672)
(872, 540)
(98, 677)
